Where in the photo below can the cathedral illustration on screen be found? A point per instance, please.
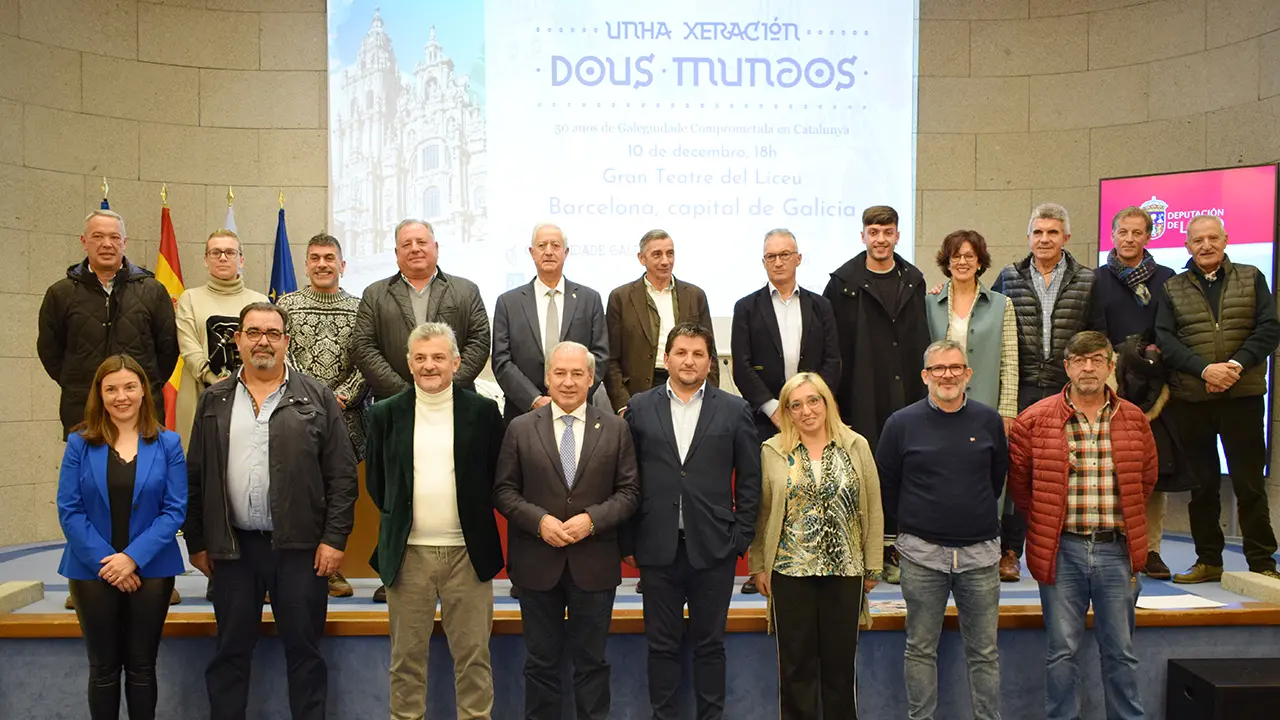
(410, 145)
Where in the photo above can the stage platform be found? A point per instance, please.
(43, 668)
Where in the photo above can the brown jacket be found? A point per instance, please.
(632, 342)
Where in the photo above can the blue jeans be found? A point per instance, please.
(977, 594)
(1099, 573)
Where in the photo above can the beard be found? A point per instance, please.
(263, 362)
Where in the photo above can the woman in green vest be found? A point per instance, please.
(980, 319)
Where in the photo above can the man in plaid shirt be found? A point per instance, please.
(1083, 484)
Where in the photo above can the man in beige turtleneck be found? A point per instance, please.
(432, 455)
(207, 318)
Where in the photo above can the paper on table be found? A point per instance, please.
(1176, 602)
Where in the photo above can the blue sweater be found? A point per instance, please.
(1125, 316)
(941, 472)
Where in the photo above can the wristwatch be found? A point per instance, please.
(874, 575)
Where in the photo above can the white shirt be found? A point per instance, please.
(664, 300)
(579, 427)
(790, 327)
(684, 421)
(958, 330)
(540, 297)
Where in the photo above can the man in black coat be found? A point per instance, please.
(105, 306)
(879, 306)
(691, 440)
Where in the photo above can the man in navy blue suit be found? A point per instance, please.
(695, 518)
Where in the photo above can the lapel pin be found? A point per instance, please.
(597, 426)
(574, 295)
(973, 439)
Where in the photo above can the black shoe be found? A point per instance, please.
(1156, 568)
(514, 592)
(639, 588)
(380, 595)
(749, 587)
(208, 590)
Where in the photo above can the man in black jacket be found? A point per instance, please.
(879, 306)
(272, 480)
(1052, 296)
(105, 306)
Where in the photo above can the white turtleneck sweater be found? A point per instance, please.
(435, 496)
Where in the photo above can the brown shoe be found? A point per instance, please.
(1010, 567)
(1156, 568)
(339, 587)
(174, 597)
(69, 604)
(1199, 573)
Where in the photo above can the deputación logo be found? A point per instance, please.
(1156, 207)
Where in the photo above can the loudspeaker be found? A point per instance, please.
(1223, 689)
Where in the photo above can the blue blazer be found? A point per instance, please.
(159, 508)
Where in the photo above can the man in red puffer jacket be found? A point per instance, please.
(1082, 464)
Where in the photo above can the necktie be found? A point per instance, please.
(552, 335)
(567, 460)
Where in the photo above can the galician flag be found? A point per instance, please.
(169, 273)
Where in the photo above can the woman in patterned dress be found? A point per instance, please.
(818, 549)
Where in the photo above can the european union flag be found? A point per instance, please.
(283, 281)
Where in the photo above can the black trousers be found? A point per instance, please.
(299, 602)
(1013, 526)
(545, 635)
(122, 631)
(815, 622)
(1239, 422)
(708, 592)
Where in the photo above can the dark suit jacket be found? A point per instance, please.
(719, 511)
(517, 340)
(531, 484)
(385, 319)
(632, 346)
(477, 437)
(757, 349)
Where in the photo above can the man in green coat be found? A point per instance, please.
(429, 466)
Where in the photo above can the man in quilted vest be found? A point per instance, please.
(1082, 464)
(1052, 296)
(1216, 326)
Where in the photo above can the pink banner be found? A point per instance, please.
(1245, 199)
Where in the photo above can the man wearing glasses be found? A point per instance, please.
(271, 500)
(942, 463)
(1082, 463)
(207, 317)
(780, 330)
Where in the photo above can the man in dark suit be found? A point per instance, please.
(432, 455)
(691, 439)
(566, 482)
(530, 320)
(640, 316)
(780, 330)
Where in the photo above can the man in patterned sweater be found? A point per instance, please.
(321, 318)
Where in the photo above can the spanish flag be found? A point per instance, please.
(169, 273)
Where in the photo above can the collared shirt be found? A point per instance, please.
(541, 300)
(1093, 496)
(822, 528)
(579, 416)
(419, 298)
(249, 456)
(790, 329)
(665, 301)
(684, 421)
(1048, 295)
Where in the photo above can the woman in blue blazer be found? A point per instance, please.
(122, 496)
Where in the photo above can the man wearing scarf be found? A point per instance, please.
(1126, 288)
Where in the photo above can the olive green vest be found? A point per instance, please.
(1215, 341)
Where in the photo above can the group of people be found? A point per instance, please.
(833, 470)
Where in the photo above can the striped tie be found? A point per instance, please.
(567, 460)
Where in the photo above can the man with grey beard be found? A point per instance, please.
(271, 499)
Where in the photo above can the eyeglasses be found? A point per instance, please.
(254, 335)
(1084, 361)
(965, 258)
(215, 254)
(772, 258)
(813, 402)
(943, 370)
